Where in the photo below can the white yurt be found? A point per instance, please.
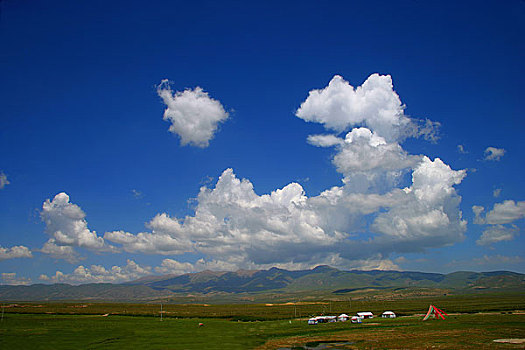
(342, 318)
(331, 318)
(388, 314)
(356, 319)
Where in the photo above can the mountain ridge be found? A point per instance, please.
(322, 278)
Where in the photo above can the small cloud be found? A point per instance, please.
(496, 192)
(487, 262)
(193, 115)
(303, 180)
(99, 274)
(137, 194)
(429, 130)
(506, 212)
(325, 140)
(10, 278)
(461, 149)
(207, 180)
(3, 180)
(170, 266)
(15, 252)
(494, 154)
(478, 209)
(497, 259)
(497, 233)
(400, 260)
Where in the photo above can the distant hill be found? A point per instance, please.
(92, 291)
(328, 278)
(323, 279)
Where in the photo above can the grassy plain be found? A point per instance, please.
(474, 322)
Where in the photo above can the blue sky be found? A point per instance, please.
(169, 137)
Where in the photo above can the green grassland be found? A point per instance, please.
(403, 305)
(474, 322)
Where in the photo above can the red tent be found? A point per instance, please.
(436, 312)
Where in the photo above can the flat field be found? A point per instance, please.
(85, 326)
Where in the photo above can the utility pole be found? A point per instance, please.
(161, 312)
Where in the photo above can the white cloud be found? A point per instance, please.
(461, 149)
(496, 193)
(10, 278)
(503, 213)
(3, 180)
(497, 259)
(66, 224)
(376, 264)
(325, 140)
(137, 194)
(430, 214)
(170, 266)
(427, 129)
(99, 274)
(493, 153)
(234, 227)
(487, 262)
(193, 115)
(374, 104)
(150, 243)
(15, 252)
(366, 159)
(506, 212)
(497, 233)
(167, 237)
(433, 181)
(60, 251)
(232, 220)
(478, 219)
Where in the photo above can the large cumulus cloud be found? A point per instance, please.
(231, 221)
(234, 226)
(374, 105)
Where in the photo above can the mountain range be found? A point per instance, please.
(322, 279)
